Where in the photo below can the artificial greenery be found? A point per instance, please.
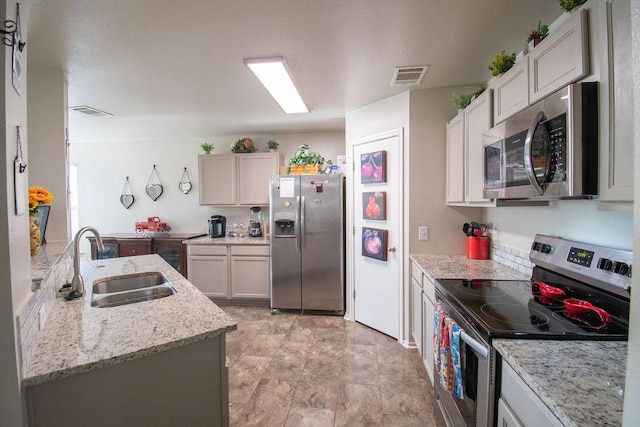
(461, 100)
(272, 144)
(568, 5)
(207, 147)
(304, 156)
(502, 62)
(539, 33)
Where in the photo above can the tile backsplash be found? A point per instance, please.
(50, 270)
(511, 257)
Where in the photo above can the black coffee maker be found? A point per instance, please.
(217, 226)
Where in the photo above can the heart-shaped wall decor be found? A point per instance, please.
(185, 187)
(154, 191)
(126, 200)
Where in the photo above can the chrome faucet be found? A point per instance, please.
(77, 283)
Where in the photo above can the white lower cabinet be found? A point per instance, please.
(249, 272)
(428, 307)
(520, 405)
(207, 267)
(416, 314)
(230, 272)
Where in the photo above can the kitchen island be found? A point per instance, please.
(151, 360)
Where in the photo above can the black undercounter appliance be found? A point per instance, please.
(577, 291)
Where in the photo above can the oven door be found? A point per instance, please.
(477, 360)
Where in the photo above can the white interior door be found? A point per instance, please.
(378, 282)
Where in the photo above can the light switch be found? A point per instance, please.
(423, 233)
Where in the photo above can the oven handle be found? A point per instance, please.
(528, 153)
(479, 348)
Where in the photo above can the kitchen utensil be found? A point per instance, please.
(467, 229)
(546, 290)
(579, 305)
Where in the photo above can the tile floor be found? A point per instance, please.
(314, 370)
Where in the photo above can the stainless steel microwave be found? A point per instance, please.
(547, 151)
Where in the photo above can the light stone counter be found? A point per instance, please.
(461, 267)
(581, 382)
(79, 338)
(228, 241)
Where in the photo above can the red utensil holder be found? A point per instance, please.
(477, 247)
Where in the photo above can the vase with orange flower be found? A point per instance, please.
(38, 197)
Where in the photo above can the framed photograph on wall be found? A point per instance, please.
(374, 205)
(373, 167)
(374, 243)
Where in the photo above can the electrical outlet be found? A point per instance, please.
(423, 233)
(494, 234)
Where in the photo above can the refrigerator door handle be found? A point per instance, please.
(297, 226)
(302, 225)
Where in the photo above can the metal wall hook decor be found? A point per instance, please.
(127, 197)
(154, 187)
(185, 182)
(11, 30)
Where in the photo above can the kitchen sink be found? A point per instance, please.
(128, 282)
(130, 288)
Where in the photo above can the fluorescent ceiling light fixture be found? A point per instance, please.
(275, 76)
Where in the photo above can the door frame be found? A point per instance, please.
(353, 244)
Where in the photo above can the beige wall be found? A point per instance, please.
(15, 265)
(430, 111)
(47, 118)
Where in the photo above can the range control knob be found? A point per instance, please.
(537, 246)
(605, 264)
(621, 268)
(546, 249)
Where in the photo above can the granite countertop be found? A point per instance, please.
(259, 241)
(461, 267)
(79, 338)
(581, 382)
(148, 235)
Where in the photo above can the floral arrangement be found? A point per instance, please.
(243, 145)
(38, 196)
(461, 100)
(568, 5)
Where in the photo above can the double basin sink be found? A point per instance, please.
(130, 288)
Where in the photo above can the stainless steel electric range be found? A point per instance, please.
(577, 291)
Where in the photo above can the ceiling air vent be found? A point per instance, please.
(403, 76)
(90, 111)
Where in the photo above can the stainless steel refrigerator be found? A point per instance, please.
(307, 242)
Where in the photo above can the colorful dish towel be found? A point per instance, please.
(446, 351)
(456, 369)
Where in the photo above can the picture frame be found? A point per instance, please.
(41, 217)
(373, 167)
(374, 243)
(374, 205)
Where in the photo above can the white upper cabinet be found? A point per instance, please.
(455, 160)
(511, 92)
(477, 120)
(561, 58)
(616, 181)
(236, 179)
(465, 164)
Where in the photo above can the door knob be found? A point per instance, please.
(392, 249)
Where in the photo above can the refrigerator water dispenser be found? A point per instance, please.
(284, 228)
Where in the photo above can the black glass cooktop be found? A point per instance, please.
(515, 309)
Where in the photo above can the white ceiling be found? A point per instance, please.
(170, 69)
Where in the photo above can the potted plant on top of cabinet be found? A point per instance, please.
(207, 147)
(502, 62)
(272, 144)
(305, 161)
